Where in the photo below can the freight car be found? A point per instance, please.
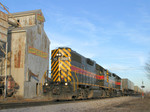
(127, 87)
(137, 90)
(74, 76)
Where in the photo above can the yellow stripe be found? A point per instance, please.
(54, 65)
(65, 75)
(69, 59)
(54, 71)
(62, 76)
(88, 84)
(67, 52)
(55, 78)
(76, 79)
(69, 74)
(69, 78)
(63, 53)
(59, 76)
(55, 54)
(62, 68)
(66, 65)
(58, 80)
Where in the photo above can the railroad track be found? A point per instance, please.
(31, 104)
(24, 104)
(40, 103)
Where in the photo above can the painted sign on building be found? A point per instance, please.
(37, 52)
(40, 17)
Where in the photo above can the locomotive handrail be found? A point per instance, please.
(77, 79)
(74, 82)
(43, 77)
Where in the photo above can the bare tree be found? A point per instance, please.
(147, 68)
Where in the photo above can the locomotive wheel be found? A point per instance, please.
(90, 94)
(83, 94)
(104, 94)
(73, 98)
(86, 93)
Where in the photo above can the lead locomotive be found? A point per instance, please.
(75, 77)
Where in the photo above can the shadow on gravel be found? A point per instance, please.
(137, 105)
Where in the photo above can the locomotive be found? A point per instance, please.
(74, 76)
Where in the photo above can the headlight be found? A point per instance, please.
(46, 84)
(59, 54)
(66, 84)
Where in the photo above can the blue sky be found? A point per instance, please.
(114, 33)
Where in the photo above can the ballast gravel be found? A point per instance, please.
(99, 105)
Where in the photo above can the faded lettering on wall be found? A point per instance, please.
(37, 52)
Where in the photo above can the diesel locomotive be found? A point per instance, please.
(74, 76)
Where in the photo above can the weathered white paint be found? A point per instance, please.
(21, 60)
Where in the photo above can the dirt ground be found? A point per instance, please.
(136, 105)
(118, 104)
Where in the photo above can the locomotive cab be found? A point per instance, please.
(61, 83)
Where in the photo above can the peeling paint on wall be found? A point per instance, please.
(29, 53)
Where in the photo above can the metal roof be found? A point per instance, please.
(27, 12)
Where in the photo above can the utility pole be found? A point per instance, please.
(142, 89)
(6, 71)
